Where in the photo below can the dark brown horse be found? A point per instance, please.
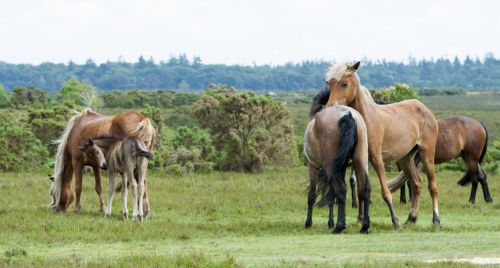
(103, 130)
(334, 137)
(396, 132)
(459, 136)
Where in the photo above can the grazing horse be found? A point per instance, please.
(396, 131)
(335, 136)
(459, 136)
(129, 158)
(103, 130)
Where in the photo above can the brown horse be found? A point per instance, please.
(459, 136)
(335, 136)
(103, 130)
(396, 131)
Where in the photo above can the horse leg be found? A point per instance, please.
(111, 191)
(484, 186)
(66, 194)
(78, 186)
(340, 189)
(378, 164)
(364, 191)
(311, 197)
(411, 171)
(410, 192)
(402, 197)
(427, 157)
(141, 193)
(98, 187)
(352, 182)
(124, 194)
(133, 189)
(145, 204)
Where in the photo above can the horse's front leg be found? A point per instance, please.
(311, 196)
(111, 191)
(378, 164)
(124, 194)
(98, 187)
(140, 198)
(78, 168)
(133, 189)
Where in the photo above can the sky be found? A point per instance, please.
(246, 32)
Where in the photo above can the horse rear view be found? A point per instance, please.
(128, 157)
(334, 137)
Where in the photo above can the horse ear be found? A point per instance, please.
(355, 66)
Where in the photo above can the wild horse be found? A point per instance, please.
(396, 131)
(334, 137)
(104, 131)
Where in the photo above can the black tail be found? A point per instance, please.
(485, 144)
(348, 138)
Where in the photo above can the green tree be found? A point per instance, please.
(82, 94)
(249, 131)
(4, 97)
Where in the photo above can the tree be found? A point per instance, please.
(4, 97)
(249, 131)
(81, 94)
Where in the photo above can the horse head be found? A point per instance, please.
(343, 83)
(93, 154)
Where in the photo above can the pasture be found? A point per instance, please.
(233, 219)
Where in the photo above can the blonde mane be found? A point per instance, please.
(336, 71)
(55, 189)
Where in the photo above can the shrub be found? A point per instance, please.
(395, 93)
(249, 131)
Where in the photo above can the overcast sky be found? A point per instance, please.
(244, 32)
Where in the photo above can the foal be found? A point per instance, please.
(128, 157)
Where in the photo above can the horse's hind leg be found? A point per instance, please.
(484, 186)
(427, 156)
(98, 187)
(352, 182)
(111, 191)
(124, 194)
(364, 191)
(311, 196)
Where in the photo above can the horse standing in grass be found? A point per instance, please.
(103, 130)
(335, 136)
(129, 158)
(459, 136)
(396, 131)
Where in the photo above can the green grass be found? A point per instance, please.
(233, 219)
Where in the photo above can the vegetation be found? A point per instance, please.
(237, 219)
(185, 74)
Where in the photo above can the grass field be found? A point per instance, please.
(232, 219)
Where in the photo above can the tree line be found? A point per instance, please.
(184, 74)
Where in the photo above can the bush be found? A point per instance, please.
(20, 149)
(395, 93)
(249, 131)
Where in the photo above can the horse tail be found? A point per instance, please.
(141, 150)
(146, 132)
(485, 144)
(348, 139)
(57, 178)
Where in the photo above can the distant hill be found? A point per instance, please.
(185, 74)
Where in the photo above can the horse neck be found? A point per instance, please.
(366, 107)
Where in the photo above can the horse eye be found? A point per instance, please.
(343, 85)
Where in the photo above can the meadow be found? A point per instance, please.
(228, 219)
(232, 219)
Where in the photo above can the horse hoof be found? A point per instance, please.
(364, 229)
(411, 219)
(125, 216)
(488, 200)
(435, 221)
(308, 223)
(331, 224)
(354, 205)
(338, 229)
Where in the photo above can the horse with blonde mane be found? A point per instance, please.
(396, 132)
(70, 159)
(334, 137)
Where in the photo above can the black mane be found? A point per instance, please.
(319, 101)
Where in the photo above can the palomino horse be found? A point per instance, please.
(335, 136)
(395, 132)
(129, 158)
(70, 159)
(459, 136)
